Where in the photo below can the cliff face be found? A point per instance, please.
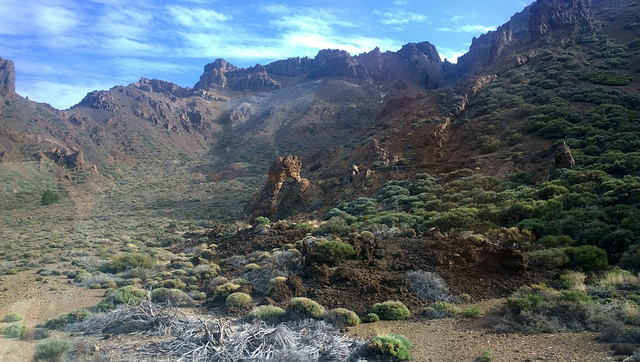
(543, 22)
(7, 77)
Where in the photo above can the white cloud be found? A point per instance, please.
(55, 19)
(197, 18)
(398, 16)
(469, 29)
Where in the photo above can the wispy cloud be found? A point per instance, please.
(469, 29)
(450, 54)
(198, 17)
(399, 16)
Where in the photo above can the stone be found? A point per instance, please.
(563, 157)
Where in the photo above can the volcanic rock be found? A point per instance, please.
(563, 158)
(7, 77)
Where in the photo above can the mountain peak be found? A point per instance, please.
(7, 77)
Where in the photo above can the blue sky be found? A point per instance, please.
(63, 49)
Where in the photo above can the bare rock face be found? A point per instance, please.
(214, 76)
(553, 15)
(284, 192)
(99, 100)
(7, 77)
(72, 159)
(563, 158)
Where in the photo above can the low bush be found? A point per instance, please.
(371, 318)
(547, 258)
(49, 197)
(51, 349)
(391, 310)
(441, 310)
(13, 317)
(485, 356)
(174, 297)
(123, 262)
(68, 318)
(429, 285)
(335, 251)
(238, 299)
(343, 317)
(391, 346)
(222, 291)
(471, 312)
(301, 307)
(587, 258)
(14, 330)
(127, 295)
(267, 313)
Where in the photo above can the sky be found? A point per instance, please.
(63, 49)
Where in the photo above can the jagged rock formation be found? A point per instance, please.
(7, 77)
(563, 158)
(284, 192)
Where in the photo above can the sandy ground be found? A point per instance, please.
(464, 339)
(35, 300)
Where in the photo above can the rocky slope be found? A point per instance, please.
(387, 114)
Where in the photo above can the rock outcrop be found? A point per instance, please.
(7, 77)
(284, 192)
(563, 158)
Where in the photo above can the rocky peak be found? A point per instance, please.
(160, 86)
(562, 18)
(337, 63)
(291, 67)
(7, 77)
(214, 75)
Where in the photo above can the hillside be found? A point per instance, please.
(350, 180)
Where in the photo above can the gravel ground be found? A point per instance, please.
(464, 339)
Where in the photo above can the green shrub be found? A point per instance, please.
(471, 312)
(127, 295)
(222, 291)
(391, 345)
(261, 220)
(547, 258)
(51, 349)
(588, 258)
(123, 262)
(301, 307)
(371, 318)
(335, 251)
(68, 318)
(574, 296)
(343, 317)
(14, 330)
(238, 299)
(441, 310)
(49, 197)
(174, 297)
(13, 317)
(489, 144)
(485, 356)
(391, 310)
(267, 313)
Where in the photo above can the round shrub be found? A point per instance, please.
(51, 349)
(267, 313)
(237, 299)
(174, 297)
(222, 291)
(391, 310)
(14, 330)
(123, 262)
(391, 345)
(343, 317)
(371, 318)
(126, 295)
(68, 318)
(49, 197)
(301, 307)
(13, 317)
(335, 251)
(588, 258)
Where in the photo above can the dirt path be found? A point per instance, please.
(463, 339)
(37, 302)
